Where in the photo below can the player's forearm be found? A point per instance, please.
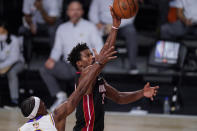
(129, 97)
(85, 82)
(89, 78)
(112, 37)
(123, 97)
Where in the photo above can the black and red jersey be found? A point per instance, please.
(90, 110)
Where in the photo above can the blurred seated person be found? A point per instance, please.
(11, 60)
(85, 4)
(68, 35)
(162, 6)
(40, 19)
(187, 23)
(99, 14)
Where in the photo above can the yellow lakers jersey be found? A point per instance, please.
(41, 123)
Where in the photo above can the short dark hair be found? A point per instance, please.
(75, 54)
(73, 1)
(27, 106)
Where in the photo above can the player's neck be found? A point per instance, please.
(41, 114)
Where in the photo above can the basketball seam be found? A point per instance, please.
(130, 8)
(120, 9)
(134, 5)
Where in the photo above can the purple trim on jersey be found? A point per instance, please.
(35, 118)
(52, 119)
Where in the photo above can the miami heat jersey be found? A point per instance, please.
(90, 110)
(41, 123)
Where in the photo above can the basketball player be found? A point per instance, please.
(90, 111)
(34, 109)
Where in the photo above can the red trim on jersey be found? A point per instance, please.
(85, 110)
(89, 115)
(92, 112)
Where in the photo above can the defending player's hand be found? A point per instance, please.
(149, 91)
(116, 20)
(105, 55)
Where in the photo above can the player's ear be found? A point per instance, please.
(40, 110)
(79, 64)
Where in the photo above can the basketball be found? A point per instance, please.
(125, 8)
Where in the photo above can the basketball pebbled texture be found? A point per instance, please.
(125, 8)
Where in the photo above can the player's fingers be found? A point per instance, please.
(95, 52)
(109, 50)
(112, 57)
(110, 7)
(105, 47)
(111, 10)
(112, 53)
(157, 87)
(147, 84)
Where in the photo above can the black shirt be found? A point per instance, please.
(90, 110)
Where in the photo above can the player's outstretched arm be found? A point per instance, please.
(86, 80)
(129, 97)
(113, 33)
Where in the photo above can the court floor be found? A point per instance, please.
(11, 119)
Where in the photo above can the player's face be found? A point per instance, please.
(75, 11)
(86, 58)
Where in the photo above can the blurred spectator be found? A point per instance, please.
(11, 60)
(85, 4)
(187, 23)
(99, 14)
(68, 35)
(40, 19)
(163, 7)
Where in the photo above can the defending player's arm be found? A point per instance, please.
(86, 80)
(129, 97)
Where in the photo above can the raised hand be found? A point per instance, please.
(116, 20)
(105, 55)
(149, 91)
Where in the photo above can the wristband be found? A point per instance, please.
(114, 27)
(98, 63)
